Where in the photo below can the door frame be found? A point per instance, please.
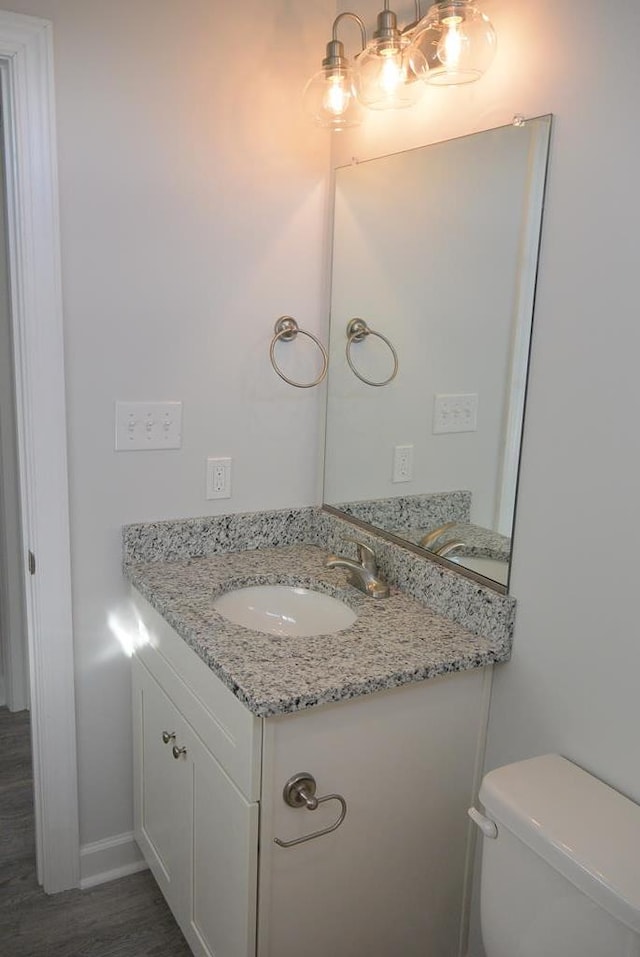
(26, 74)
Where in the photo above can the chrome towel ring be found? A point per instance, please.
(357, 331)
(286, 329)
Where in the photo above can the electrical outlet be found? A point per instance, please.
(402, 463)
(148, 425)
(455, 413)
(219, 478)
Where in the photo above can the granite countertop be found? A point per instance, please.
(393, 641)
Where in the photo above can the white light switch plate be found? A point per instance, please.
(455, 413)
(148, 425)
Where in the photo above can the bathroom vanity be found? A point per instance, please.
(225, 717)
(308, 794)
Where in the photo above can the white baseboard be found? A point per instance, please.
(109, 859)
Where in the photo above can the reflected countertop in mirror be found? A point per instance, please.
(436, 249)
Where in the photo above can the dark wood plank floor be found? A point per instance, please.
(125, 918)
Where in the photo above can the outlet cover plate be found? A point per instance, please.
(402, 463)
(218, 478)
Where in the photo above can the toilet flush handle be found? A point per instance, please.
(488, 827)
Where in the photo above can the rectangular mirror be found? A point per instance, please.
(435, 249)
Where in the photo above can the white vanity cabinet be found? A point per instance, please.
(389, 880)
(197, 830)
(196, 790)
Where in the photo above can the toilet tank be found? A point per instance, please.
(562, 877)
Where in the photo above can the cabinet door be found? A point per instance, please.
(163, 788)
(224, 862)
(197, 831)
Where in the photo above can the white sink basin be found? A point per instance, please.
(284, 610)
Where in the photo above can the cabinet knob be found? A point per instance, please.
(168, 736)
(178, 752)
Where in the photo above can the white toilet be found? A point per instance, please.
(560, 863)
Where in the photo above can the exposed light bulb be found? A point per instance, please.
(337, 95)
(389, 72)
(329, 99)
(391, 79)
(392, 74)
(457, 40)
(451, 44)
(329, 96)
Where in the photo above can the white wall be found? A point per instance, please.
(192, 203)
(572, 685)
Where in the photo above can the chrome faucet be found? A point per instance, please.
(431, 537)
(447, 547)
(363, 573)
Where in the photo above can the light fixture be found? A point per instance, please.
(457, 40)
(329, 97)
(390, 70)
(454, 43)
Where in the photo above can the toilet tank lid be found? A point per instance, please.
(580, 826)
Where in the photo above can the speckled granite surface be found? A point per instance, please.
(392, 642)
(193, 537)
(475, 607)
(412, 516)
(412, 511)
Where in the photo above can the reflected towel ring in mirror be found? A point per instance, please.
(286, 329)
(357, 331)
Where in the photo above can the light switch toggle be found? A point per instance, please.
(455, 413)
(148, 425)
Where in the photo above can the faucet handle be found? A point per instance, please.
(366, 555)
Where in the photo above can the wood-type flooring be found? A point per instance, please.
(124, 918)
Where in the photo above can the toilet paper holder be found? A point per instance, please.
(300, 792)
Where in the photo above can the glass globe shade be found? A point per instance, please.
(457, 40)
(329, 99)
(389, 75)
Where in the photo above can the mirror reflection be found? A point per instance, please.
(435, 251)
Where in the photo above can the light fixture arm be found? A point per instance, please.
(387, 25)
(410, 27)
(335, 58)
